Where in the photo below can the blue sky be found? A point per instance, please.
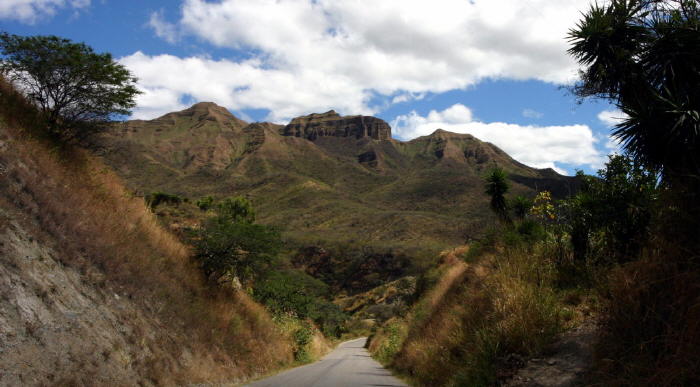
(494, 68)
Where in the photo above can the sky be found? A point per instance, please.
(497, 69)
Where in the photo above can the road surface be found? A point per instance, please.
(348, 365)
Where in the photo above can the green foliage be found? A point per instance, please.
(302, 339)
(612, 212)
(289, 292)
(521, 206)
(395, 332)
(75, 88)
(497, 186)
(232, 246)
(205, 203)
(645, 56)
(295, 293)
(154, 199)
(236, 209)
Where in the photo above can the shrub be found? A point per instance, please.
(295, 293)
(236, 209)
(205, 203)
(154, 199)
(302, 339)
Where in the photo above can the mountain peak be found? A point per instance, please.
(333, 124)
(444, 134)
(208, 108)
(208, 111)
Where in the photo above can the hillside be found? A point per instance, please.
(94, 292)
(323, 177)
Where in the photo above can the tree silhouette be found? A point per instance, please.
(497, 186)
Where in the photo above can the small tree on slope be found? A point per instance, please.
(75, 88)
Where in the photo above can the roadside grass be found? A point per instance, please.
(505, 301)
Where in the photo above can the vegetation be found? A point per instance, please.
(643, 55)
(75, 88)
(627, 238)
(113, 244)
(205, 203)
(296, 294)
(153, 200)
(229, 245)
(497, 186)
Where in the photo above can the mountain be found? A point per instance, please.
(324, 177)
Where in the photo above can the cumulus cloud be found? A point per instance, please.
(363, 49)
(167, 81)
(163, 29)
(611, 118)
(29, 11)
(536, 146)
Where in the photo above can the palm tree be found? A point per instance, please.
(497, 186)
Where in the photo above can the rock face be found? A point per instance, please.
(332, 124)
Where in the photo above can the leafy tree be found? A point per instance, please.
(497, 186)
(231, 245)
(236, 209)
(617, 205)
(75, 88)
(644, 55)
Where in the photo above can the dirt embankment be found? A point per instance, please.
(57, 329)
(94, 292)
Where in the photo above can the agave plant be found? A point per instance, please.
(644, 55)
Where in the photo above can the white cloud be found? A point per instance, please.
(407, 97)
(530, 113)
(163, 29)
(167, 79)
(536, 146)
(393, 48)
(611, 117)
(29, 11)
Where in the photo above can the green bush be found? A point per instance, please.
(302, 339)
(295, 293)
(205, 203)
(236, 209)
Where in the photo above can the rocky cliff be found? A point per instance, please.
(332, 124)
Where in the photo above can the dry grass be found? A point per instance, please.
(651, 323)
(475, 315)
(110, 237)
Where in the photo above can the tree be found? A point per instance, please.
(497, 186)
(617, 206)
(231, 245)
(236, 209)
(644, 55)
(236, 249)
(75, 88)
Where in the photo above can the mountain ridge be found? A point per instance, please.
(323, 177)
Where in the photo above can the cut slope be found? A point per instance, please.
(95, 292)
